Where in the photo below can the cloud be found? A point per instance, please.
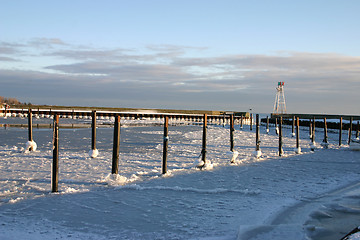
(7, 59)
(46, 42)
(160, 75)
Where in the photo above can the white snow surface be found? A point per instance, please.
(313, 195)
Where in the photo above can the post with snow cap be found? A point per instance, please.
(203, 150)
(350, 130)
(232, 132)
(340, 130)
(55, 164)
(166, 141)
(93, 152)
(116, 146)
(280, 137)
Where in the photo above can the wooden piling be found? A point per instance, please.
(165, 146)
(93, 130)
(241, 121)
(293, 127)
(297, 135)
(203, 151)
(325, 132)
(30, 127)
(55, 164)
(276, 126)
(357, 130)
(232, 132)
(280, 137)
(313, 131)
(350, 130)
(340, 131)
(251, 122)
(257, 133)
(267, 124)
(116, 146)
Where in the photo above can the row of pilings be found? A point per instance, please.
(203, 119)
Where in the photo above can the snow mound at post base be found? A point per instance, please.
(298, 150)
(233, 155)
(93, 153)
(200, 164)
(30, 146)
(257, 153)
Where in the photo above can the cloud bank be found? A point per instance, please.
(50, 71)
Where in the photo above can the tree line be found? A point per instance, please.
(11, 101)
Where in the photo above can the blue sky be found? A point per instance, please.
(223, 55)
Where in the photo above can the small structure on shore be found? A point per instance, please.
(279, 105)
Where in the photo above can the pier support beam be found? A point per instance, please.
(280, 137)
(298, 148)
(340, 131)
(116, 146)
(55, 163)
(232, 133)
(165, 145)
(93, 152)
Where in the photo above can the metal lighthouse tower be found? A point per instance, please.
(279, 105)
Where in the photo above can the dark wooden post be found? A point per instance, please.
(325, 132)
(116, 146)
(276, 126)
(293, 127)
(313, 131)
(30, 126)
(350, 130)
(232, 132)
(297, 136)
(310, 128)
(251, 122)
(267, 124)
(165, 147)
(241, 121)
(357, 130)
(203, 151)
(257, 133)
(93, 132)
(55, 164)
(340, 131)
(280, 137)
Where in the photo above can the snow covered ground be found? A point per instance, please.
(313, 195)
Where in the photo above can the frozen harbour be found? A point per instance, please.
(312, 195)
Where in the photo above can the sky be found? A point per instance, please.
(207, 55)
